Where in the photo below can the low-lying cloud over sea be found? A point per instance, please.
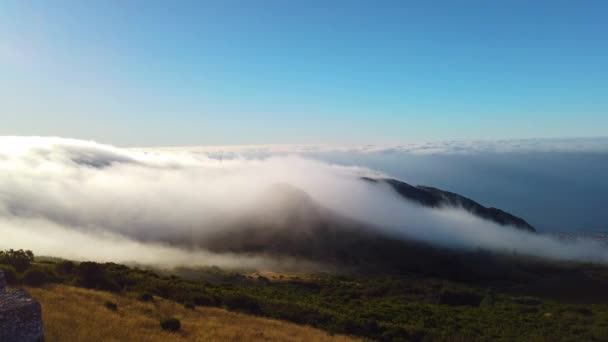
(83, 200)
(558, 185)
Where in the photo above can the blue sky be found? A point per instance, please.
(141, 73)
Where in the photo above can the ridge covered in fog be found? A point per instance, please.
(187, 208)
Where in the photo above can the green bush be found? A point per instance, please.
(170, 324)
(489, 299)
(64, 268)
(600, 333)
(94, 276)
(241, 302)
(527, 301)
(583, 311)
(34, 277)
(10, 275)
(111, 306)
(89, 274)
(395, 334)
(295, 313)
(528, 309)
(457, 298)
(204, 300)
(145, 297)
(21, 260)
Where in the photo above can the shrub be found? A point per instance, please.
(89, 274)
(527, 301)
(21, 260)
(64, 267)
(9, 274)
(394, 334)
(457, 298)
(528, 309)
(263, 280)
(241, 302)
(204, 300)
(600, 333)
(189, 305)
(295, 313)
(145, 297)
(489, 299)
(170, 324)
(584, 311)
(111, 306)
(108, 284)
(94, 276)
(34, 277)
(361, 327)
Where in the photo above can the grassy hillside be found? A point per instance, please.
(539, 302)
(76, 314)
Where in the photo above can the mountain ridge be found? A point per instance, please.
(298, 228)
(436, 198)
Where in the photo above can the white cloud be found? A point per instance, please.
(79, 199)
(592, 145)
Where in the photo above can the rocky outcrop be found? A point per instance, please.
(20, 316)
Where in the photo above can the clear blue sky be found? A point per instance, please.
(239, 72)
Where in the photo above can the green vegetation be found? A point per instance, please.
(170, 324)
(9, 273)
(35, 277)
(111, 306)
(145, 297)
(20, 260)
(379, 307)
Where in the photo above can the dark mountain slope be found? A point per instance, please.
(435, 198)
(293, 225)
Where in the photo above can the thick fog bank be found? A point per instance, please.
(556, 184)
(553, 190)
(82, 200)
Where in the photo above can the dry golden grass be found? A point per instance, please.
(74, 314)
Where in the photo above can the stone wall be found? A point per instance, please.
(20, 316)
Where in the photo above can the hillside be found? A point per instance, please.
(294, 226)
(512, 304)
(76, 314)
(435, 198)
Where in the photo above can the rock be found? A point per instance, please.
(20, 316)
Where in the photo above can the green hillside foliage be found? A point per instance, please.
(384, 308)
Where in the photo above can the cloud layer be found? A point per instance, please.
(441, 147)
(83, 200)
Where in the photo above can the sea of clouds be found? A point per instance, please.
(88, 201)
